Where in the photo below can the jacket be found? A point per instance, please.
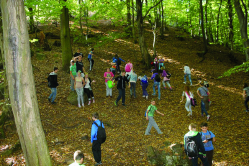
(121, 82)
(52, 80)
(198, 141)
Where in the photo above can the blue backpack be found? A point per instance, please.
(146, 111)
(144, 79)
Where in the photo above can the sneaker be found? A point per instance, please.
(53, 102)
(98, 163)
(123, 104)
(159, 99)
(208, 117)
(146, 97)
(191, 84)
(147, 134)
(49, 99)
(143, 96)
(93, 101)
(83, 105)
(171, 89)
(184, 82)
(189, 114)
(110, 96)
(89, 102)
(160, 133)
(79, 105)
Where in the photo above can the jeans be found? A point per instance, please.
(246, 100)
(195, 160)
(158, 87)
(108, 90)
(133, 88)
(91, 61)
(203, 108)
(144, 86)
(189, 77)
(167, 82)
(53, 94)
(96, 149)
(72, 82)
(118, 68)
(153, 123)
(160, 65)
(188, 106)
(121, 94)
(80, 94)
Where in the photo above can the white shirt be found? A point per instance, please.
(187, 70)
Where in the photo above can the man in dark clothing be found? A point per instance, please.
(80, 65)
(195, 135)
(52, 83)
(121, 88)
(78, 53)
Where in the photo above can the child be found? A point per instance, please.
(90, 58)
(78, 86)
(187, 72)
(144, 84)
(156, 63)
(150, 117)
(188, 95)
(78, 158)
(132, 82)
(208, 138)
(157, 81)
(161, 64)
(166, 80)
(108, 76)
(207, 86)
(88, 88)
(73, 74)
(117, 60)
(204, 93)
(113, 68)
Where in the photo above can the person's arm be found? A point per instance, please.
(74, 84)
(152, 76)
(200, 145)
(75, 58)
(121, 59)
(83, 80)
(148, 109)
(83, 69)
(159, 113)
(244, 94)
(182, 97)
(71, 75)
(199, 94)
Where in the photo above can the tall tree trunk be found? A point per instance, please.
(243, 25)
(206, 21)
(31, 20)
(230, 15)
(21, 84)
(65, 38)
(128, 4)
(203, 29)
(81, 29)
(162, 22)
(133, 23)
(218, 18)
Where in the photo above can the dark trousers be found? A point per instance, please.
(195, 160)
(96, 148)
(121, 94)
(91, 61)
(246, 101)
(118, 68)
(88, 92)
(144, 87)
(210, 155)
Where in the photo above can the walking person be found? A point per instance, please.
(132, 82)
(90, 58)
(117, 60)
(121, 88)
(246, 95)
(144, 83)
(73, 74)
(96, 144)
(166, 79)
(157, 81)
(79, 84)
(150, 117)
(188, 94)
(52, 83)
(88, 88)
(108, 75)
(187, 72)
(203, 93)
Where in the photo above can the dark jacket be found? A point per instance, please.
(197, 138)
(52, 80)
(121, 82)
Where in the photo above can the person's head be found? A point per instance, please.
(164, 74)
(86, 75)
(187, 88)
(245, 85)
(95, 116)
(72, 62)
(204, 127)
(79, 73)
(56, 69)
(192, 127)
(186, 64)
(108, 70)
(80, 58)
(153, 102)
(78, 157)
(122, 73)
(92, 49)
(116, 55)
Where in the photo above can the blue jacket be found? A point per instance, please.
(94, 130)
(114, 60)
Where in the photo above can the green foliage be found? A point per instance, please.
(240, 68)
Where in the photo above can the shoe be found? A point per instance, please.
(146, 97)
(160, 133)
(208, 117)
(189, 114)
(53, 102)
(79, 105)
(83, 105)
(159, 99)
(184, 82)
(49, 99)
(115, 103)
(89, 102)
(98, 163)
(143, 96)
(191, 84)
(171, 89)
(210, 103)
(110, 96)
(147, 134)
(123, 104)
(93, 101)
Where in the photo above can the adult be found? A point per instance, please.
(246, 95)
(90, 58)
(132, 83)
(52, 83)
(121, 88)
(88, 88)
(187, 72)
(78, 159)
(204, 93)
(73, 73)
(157, 80)
(117, 60)
(79, 84)
(188, 94)
(108, 75)
(96, 145)
(80, 65)
(78, 53)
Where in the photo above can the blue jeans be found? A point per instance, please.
(154, 89)
(121, 94)
(203, 108)
(144, 86)
(189, 77)
(53, 94)
(204, 160)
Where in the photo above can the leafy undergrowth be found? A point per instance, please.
(64, 124)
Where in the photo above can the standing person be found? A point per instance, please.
(203, 93)
(73, 74)
(90, 58)
(161, 62)
(88, 88)
(166, 79)
(150, 117)
(78, 53)
(157, 81)
(78, 84)
(121, 88)
(194, 137)
(144, 83)
(208, 138)
(246, 95)
(52, 83)
(96, 144)
(117, 60)
(132, 82)
(78, 158)
(80, 65)
(156, 63)
(108, 76)
(187, 72)
(188, 94)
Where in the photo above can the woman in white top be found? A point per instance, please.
(188, 95)
(88, 89)
(187, 72)
(78, 85)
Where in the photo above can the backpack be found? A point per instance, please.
(146, 111)
(157, 78)
(193, 101)
(144, 79)
(191, 148)
(101, 135)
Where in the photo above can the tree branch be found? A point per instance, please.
(151, 8)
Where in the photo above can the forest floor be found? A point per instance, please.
(65, 124)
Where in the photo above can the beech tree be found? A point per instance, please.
(21, 84)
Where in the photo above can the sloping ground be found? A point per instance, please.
(126, 144)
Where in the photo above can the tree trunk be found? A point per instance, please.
(206, 22)
(203, 29)
(128, 2)
(81, 29)
(65, 39)
(243, 26)
(218, 17)
(230, 14)
(31, 20)
(162, 22)
(133, 23)
(21, 84)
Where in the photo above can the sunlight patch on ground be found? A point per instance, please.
(222, 163)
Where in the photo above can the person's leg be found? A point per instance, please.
(82, 97)
(134, 87)
(189, 77)
(107, 89)
(204, 160)
(164, 86)
(206, 102)
(131, 89)
(54, 92)
(72, 83)
(50, 96)
(90, 61)
(147, 131)
(119, 95)
(154, 88)
(123, 96)
(185, 75)
(194, 161)
(210, 156)
(187, 105)
(159, 91)
(203, 107)
(154, 124)
(145, 87)
(96, 149)
(79, 94)
(167, 82)
(246, 101)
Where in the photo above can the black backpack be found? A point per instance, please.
(157, 78)
(101, 135)
(118, 61)
(168, 75)
(49, 83)
(191, 147)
